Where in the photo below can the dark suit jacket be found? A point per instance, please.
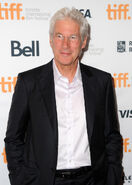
(32, 135)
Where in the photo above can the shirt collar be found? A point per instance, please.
(58, 75)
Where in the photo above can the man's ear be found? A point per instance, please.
(84, 42)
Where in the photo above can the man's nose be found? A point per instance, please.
(65, 42)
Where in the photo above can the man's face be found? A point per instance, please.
(66, 42)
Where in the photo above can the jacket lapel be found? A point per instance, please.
(89, 99)
(46, 85)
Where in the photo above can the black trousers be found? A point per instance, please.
(83, 179)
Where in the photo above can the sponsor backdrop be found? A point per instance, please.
(24, 44)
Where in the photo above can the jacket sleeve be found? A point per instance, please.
(113, 138)
(16, 128)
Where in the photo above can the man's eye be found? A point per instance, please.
(73, 37)
(59, 36)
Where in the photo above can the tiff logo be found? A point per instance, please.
(8, 85)
(120, 80)
(126, 145)
(118, 12)
(4, 156)
(11, 11)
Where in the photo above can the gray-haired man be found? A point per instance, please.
(63, 127)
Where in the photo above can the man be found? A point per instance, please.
(63, 127)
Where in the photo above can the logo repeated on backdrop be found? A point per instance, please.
(127, 148)
(4, 156)
(121, 46)
(124, 46)
(125, 113)
(118, 12)
(27, 51)
(121, 80)
(11, 11)
(15, 11)
(36, 14)
(127, 178)
(94, 50)
(86, 13)
(7, 84)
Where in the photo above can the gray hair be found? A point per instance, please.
(73, 14)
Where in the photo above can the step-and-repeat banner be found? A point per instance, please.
(24, 44)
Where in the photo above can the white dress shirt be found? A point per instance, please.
(73, 145)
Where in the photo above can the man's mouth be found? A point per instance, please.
(65, 53)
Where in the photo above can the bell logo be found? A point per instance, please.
(27, 51)
(120, 80)
(7, 85)
(118, 12)
(11, 11)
